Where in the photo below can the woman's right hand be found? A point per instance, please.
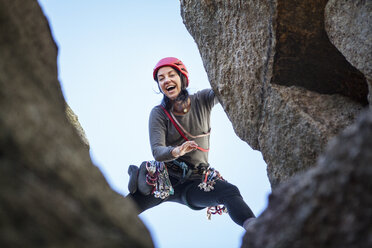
(186, 147)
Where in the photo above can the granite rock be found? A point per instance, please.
(286, 89)
(327, 206)
(51, 194)
(349, 27)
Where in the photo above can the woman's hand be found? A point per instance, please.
(186, 147)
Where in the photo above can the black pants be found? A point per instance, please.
(188, 193)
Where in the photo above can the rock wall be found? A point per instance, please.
(51, 195)
(288, 91)
(285, 87)
(329, 206)
(349, 26)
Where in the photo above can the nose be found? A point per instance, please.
(166, 79)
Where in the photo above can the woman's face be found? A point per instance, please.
(169, 82)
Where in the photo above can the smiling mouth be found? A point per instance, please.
(170, 88)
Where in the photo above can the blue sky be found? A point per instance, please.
(107, 50)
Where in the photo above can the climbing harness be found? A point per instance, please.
(158, 177)
(183, 166)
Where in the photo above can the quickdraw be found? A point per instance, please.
(158, 177)
(215, 210)
(208, 181)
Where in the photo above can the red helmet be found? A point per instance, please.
(173, 62)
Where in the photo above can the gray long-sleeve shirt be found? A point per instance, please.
(164, 136)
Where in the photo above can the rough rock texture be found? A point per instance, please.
(286, 89)
(51, 195)
(296, 127)
(349, 27)
(329, 205)
(74, 120)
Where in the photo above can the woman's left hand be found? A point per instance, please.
(186, 147)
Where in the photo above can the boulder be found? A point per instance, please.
(328, 206)
(288, 92)
(286, 89)
(51, 195)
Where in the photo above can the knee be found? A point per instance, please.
(230, 191)
(230, 196)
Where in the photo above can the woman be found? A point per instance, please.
(179, 137)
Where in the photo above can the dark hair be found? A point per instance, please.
(184, 94)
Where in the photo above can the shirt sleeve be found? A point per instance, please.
(157, 132)
(209, 97)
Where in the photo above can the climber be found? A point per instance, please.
(179, 137)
